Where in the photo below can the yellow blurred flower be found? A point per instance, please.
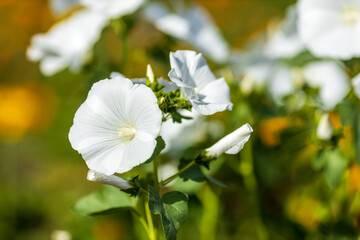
(354, 178)
(305, 210)
(23, 108)
(270, 129)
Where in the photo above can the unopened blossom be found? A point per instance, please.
(68, 43)
(231, 143)
(108, 179)
(356, 85)
(330, 28)
(115, 128)
(190, 72)
(193, 25)
(325, 128)
(331, 80)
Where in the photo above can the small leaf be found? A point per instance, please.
(194, 172)
(155, 202)
(216, 182)
(107, 200)
(176, 210)
(172, 208)
(160, 145)
(335, 166)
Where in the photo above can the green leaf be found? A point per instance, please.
(335, 166)
(160, 145)
(173, 210)
(194, 172)
(176, 210)
(155, 202)
(107, 200)
(357, 135)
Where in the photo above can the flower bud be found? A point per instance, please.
(325, 128)
(231, 143)
(150, 73)
(108, 179)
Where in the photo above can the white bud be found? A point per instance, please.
(108, 179)
(356, 85)
(150, 73)
(325, 128)
(231, 143)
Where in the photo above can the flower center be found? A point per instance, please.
(351, 15)
(196, 90)
(127, 133)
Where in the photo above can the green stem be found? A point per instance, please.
(156, 174)
(151, 232)
(247, 170)
(171, 178)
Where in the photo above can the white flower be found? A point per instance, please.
(191, 73)
(113, 8)
(115, 128)
(284, 41)
(325, 128)
(356, 85)
(330, 28)
(60, 6)
(231, 143)
(330, 78)
(108, 179)
(192, 25)
(68, 43)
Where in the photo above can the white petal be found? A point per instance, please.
(325, 128)
(136, 152)
(113, 8)
(330, 78)
(356, 85)
(108, 179)
(231, 142)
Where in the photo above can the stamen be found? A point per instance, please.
(127, 133)
(351, 15)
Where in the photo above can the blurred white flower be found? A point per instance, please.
(330, 28)
(325, 128)
(356, 85)
(284, 41)
(191, 73)
(108, 179)
(115, 128)
(60, 235)
(330, 78)
(192, 25)
(60, 6)
(68, 43)
(231, 143)
(113, 8)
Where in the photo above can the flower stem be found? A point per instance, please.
(151, 230)
(171, 178)
(156, 174)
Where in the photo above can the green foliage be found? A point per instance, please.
(173, 210)
(107, 200)
(160, 145)
(333, 162)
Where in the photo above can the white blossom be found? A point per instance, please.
(108, 179)
(231, 143)
(60, 6)
(356, 85)
(284, 40)
(198, 84)
(325, 128)
(115, 128)
(330, 28)
(113, 8)
(192, 25)
(68, 43)
(331, 80)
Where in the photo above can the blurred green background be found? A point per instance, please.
(41, 176)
